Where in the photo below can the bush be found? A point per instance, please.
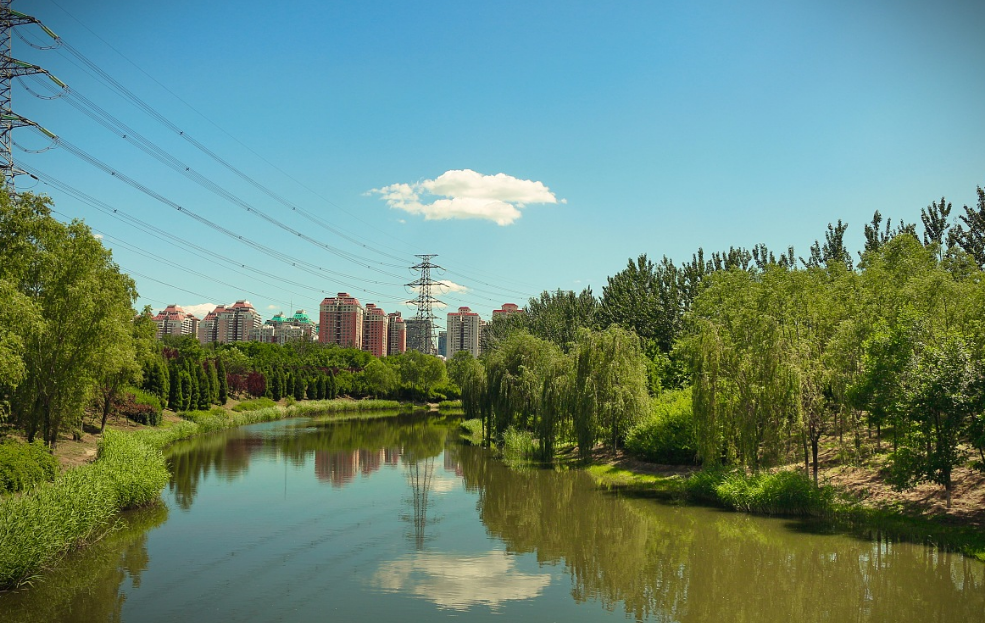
(141, 407)
(450, 404)
(666, 435)
(23, 465)
(446, 391)
(252, 405)
(703, 485)
(782, 493)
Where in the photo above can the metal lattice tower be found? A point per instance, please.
(11, 68)
(424, 302)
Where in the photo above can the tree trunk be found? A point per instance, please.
(807, 458)
(106, 409)
(814, 444)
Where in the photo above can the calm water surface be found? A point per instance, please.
(392, 519)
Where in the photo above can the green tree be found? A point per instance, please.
(944, 395)
(18, 318)
(65, 272)
(556, 317)
(220, 371)
(970, 233)
(421, 372)
(609, 386)
(381, 379)
(647, 299)
(123, 366)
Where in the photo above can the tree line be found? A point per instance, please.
(777, 350)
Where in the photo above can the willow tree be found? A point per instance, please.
(515, 373)
(745, 381)
(609, 393)
(85, 306)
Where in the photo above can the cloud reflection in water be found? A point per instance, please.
(459, 582)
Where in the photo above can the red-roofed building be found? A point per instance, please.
(340, 321)
(208, 328)
(508, 308)
(175, 321)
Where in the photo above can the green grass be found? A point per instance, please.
(256, 403)
(616, 479)
(449, 404)
(519, 447)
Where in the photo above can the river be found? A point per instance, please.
(394, 519)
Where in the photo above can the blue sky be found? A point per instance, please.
(618, 128)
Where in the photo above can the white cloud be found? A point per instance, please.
(446, 285)
(199, 310)
(466, 194)
(460, 582)
(272, 307)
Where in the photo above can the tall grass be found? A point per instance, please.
(780, 493)
(78, 507)
(519, 447)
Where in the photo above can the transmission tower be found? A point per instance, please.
(11, 68)
(425, 300)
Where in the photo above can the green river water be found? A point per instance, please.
(392, 519)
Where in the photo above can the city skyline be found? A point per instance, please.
(531, 146)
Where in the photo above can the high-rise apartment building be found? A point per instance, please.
(464, 331)
(396, 334)
(375, 324)
(208, 328)
(236, 322)
(340, 321)
(443, 343)
(173, 320)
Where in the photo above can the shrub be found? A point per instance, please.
(782, 493)
(450, 404)
(140, 406)
(703, 485)
(23, 465)
(446, 391)
(666, 435)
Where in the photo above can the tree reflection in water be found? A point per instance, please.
(669, 563)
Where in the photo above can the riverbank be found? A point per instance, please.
(116, 471)
(854, 500)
